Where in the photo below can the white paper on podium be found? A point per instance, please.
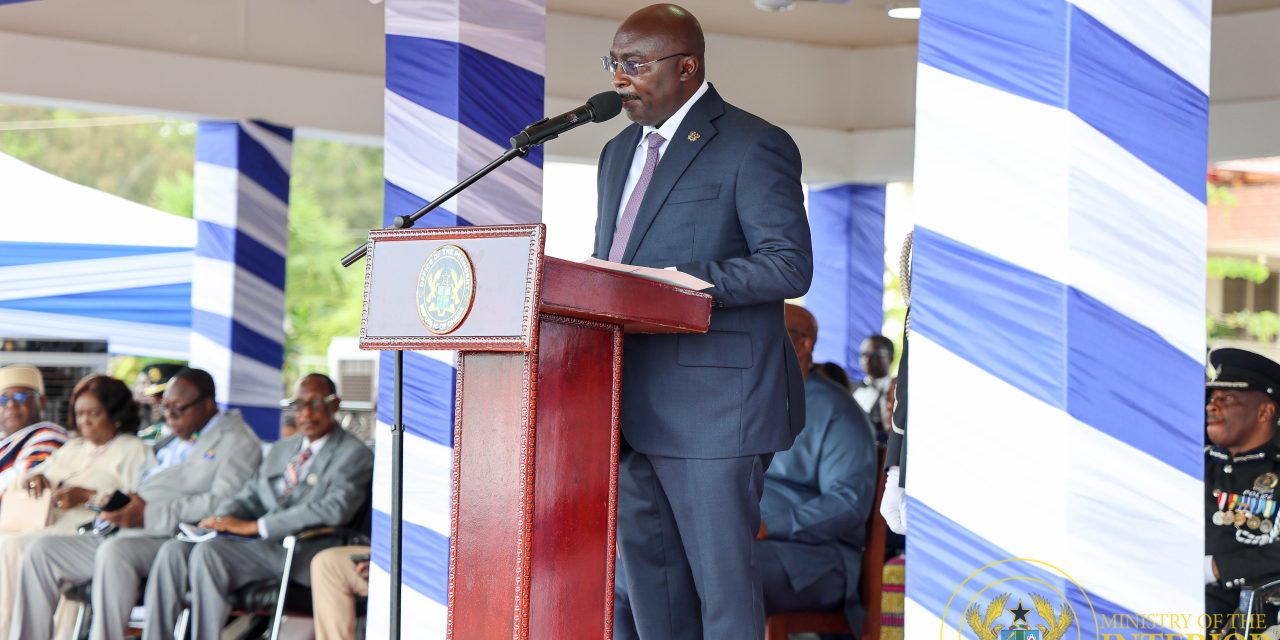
(669, 275)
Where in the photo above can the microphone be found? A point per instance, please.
(599, 108)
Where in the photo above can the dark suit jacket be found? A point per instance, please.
(819, 493)
(724, 205)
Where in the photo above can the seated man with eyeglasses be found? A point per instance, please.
(207, 458)
(319, 477)
(28, 438)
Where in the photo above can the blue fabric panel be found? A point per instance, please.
(952, 553)
(1139, 103)
(1017, 46)
(238, 338)
(168, 305)
(487, 94)
(847, 295)
(425, 567)
(1060, 346)
(400, 202)
(226, 144)
(231, 245)
(12, 1)
(265, 421)
(20, 253)
(999, 316)
(1159, 414)
(428, 396)
(283, 132)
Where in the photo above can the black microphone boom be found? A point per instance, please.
(599, 108)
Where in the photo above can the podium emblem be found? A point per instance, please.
(446, 289)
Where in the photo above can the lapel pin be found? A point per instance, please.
(693, 136)
(312, 479)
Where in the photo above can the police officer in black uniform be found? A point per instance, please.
(1242, 471)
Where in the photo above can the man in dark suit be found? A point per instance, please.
(319, 477)
(703, 187)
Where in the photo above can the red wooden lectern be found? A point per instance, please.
(536, 414)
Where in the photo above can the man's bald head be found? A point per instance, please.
(802, 328)
(667, 40)
(673, 22)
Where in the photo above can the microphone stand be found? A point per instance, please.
(397, 428)
(404, 222)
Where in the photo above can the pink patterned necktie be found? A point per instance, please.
(291, 471)
(623, 232)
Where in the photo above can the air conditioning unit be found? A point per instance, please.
(354, 371)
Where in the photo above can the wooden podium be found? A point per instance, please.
(536, 415)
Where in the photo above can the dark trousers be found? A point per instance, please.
(686, 530)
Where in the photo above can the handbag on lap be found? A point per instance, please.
(20, 513)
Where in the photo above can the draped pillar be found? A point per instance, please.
(241, 210)
(463, 76)
(847, 295)
(1057, 322)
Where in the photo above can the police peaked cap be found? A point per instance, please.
(158, 377)
(1245, 371)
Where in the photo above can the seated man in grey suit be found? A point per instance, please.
(817, 498)
(206, 460)
(319, 477)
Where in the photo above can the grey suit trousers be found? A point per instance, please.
(686, 529)
(210, 570)
(117, 566)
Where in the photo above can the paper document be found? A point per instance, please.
(669, 276)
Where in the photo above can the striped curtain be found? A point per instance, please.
(237, 294)
(1058, 314)
(463, 76)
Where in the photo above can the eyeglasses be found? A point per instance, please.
(177, 410)
(314, 405)
(18, 397)
(631, 67)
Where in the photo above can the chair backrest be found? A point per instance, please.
(873, 559)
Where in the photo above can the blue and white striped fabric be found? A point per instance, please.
(79, 263)
(1058, 315)
(237, 294)
(847, 296)
(462, 78)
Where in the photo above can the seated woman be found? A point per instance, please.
(105, 457)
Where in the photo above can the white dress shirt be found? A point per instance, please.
(668, 130)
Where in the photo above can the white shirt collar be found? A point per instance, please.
(669, 128)
(317, 444)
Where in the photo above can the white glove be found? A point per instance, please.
(893, 506)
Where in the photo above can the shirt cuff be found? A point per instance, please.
(1208, 570)
(262, 528)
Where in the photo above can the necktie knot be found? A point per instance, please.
(655, 140)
